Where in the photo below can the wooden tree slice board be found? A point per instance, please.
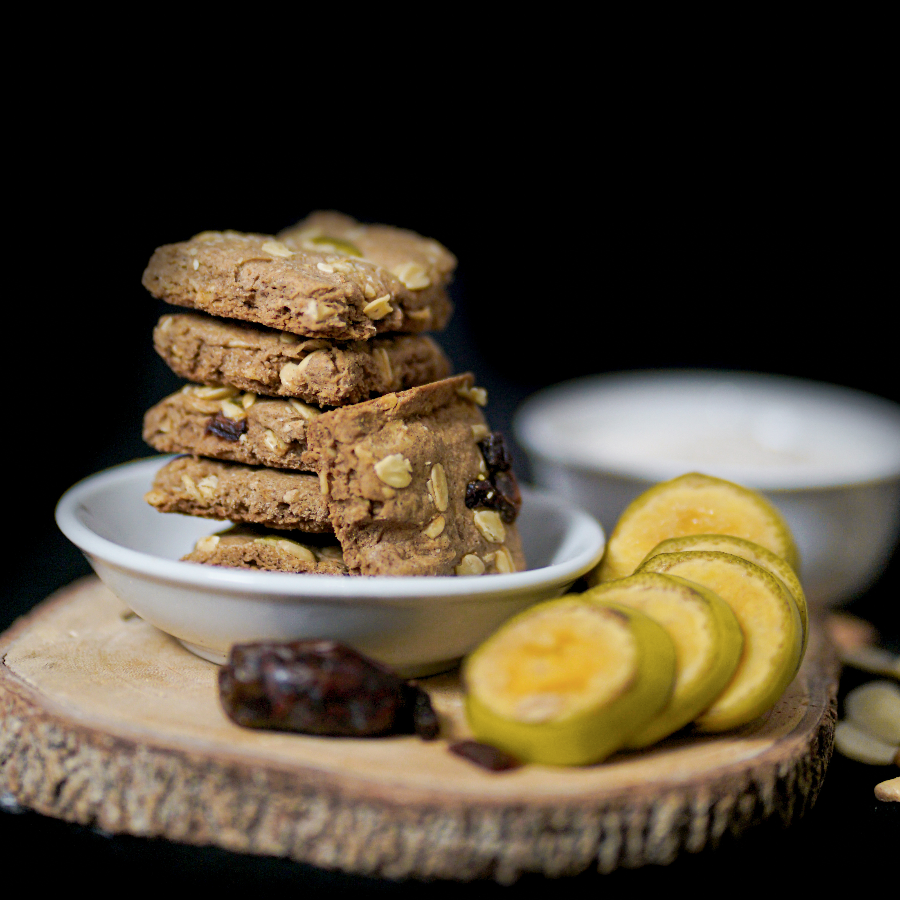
(106, 721)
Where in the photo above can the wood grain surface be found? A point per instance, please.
(106, 721)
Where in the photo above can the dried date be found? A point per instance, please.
(229, 429)
(321, 687)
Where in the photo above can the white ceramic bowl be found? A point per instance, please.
(416, 624)
(829, 457)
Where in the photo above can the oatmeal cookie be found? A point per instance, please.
(242, 494)
(416, 259)
(213, 351)
(398, 471)
(323, 293)
(245, 547)
(224, 423)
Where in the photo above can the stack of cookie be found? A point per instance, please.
(320, 418)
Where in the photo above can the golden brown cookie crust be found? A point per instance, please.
(242, 494)
(396, 471)
(314, 293)
(208, 350)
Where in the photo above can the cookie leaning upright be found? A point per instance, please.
(327, 277)
(412, 484)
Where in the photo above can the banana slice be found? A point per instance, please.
(568, 682)
(768, 615)
(705, 631)
(692, 504)
(755, 553)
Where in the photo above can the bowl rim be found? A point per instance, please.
(528, 432)
(271, 585)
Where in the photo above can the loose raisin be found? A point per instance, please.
(229, 429)
(486, 756)
(425, 722)
(318, 687)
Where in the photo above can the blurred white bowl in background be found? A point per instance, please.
(827, 456)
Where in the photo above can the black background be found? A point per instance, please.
(756, 240)
(742, 230)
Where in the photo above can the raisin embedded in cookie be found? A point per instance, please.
(247, 494)
(328, 293)
(245, 547)
(223, 423)
(396, 470)
(213, 351)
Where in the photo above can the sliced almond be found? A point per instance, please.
(874, 660)
(854, 743)
(888, 790)
(875, 707)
